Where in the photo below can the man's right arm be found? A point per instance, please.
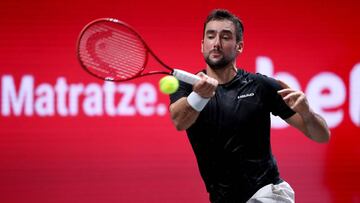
(182, 114)
(186, 110)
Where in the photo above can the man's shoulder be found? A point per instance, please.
(261, 79)
(256, 77)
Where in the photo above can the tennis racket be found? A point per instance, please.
(112, 50)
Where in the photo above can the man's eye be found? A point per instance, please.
(211, 36)
(226, 37)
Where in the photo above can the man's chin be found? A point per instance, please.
(218, 64)
(216, 67)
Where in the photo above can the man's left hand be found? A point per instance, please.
(295, 99)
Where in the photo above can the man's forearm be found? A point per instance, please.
(316, 127)
(182, 114)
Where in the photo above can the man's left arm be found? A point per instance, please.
(307, 121)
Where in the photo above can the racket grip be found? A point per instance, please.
(185, 76)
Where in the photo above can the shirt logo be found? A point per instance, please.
(246, 95)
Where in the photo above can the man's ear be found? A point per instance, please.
(240, 46)
(202, 46)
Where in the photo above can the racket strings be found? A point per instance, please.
(119, 47)
(113, 53)
(116, 56)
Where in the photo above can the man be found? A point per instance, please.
(227, 119)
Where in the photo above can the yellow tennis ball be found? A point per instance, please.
(168, 84)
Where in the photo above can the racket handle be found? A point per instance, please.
(185, 76)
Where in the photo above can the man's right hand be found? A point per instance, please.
(182, 114)
(206, 86)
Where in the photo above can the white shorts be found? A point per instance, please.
(280, 193)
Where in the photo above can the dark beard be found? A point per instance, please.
(220, 64)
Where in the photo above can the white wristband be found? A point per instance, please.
(196, 101)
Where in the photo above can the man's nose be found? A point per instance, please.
(217, 42)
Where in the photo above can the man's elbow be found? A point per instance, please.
(181, 118)
(179, 126)
(180, 123)
(324, 138)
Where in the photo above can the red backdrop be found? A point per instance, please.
(68, 137)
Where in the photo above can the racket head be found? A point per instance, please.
(111, 50)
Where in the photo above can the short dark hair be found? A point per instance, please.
(222, 14)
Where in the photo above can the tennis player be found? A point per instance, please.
(227, 119)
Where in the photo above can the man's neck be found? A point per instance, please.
(223, 75)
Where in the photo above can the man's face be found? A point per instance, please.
(219, 45)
